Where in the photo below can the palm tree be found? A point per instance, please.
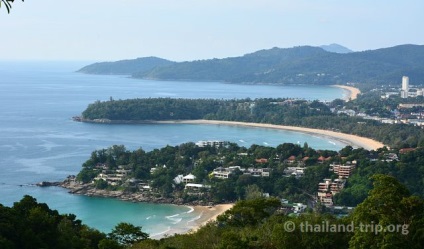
(8, 4)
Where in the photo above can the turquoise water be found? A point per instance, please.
(40, 142)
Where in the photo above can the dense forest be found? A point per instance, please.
(272, 111)
(297, 65)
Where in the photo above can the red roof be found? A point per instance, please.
(405, 150)
(261, 160)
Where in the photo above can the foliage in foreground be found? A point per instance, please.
(396, 218)
(389, 206)
(29, 224)
(8, 4)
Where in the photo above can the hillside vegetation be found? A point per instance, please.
(297, 65)
(125, 67)
(271, 111)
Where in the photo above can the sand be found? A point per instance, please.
(209, 213)
(353, 91)
(203, 214)
(353, 140)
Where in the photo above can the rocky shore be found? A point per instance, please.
(89, 189)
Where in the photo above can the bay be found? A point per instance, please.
(40, 142)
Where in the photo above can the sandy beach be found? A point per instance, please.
(203, 214)
(209, 213)
(353, 91)
(356, 141)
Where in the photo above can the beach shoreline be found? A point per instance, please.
(362, 142)
(353, 91)
(203, 214)
(354, 140)
(209, 213)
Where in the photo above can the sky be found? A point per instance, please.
(185, 30)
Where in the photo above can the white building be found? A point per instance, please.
(403, 94)
(222, 173)
(405, 87)
(189, 178)
(405, 83)
(216, 144)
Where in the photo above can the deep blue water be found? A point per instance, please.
(39, 141)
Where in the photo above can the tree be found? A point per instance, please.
(250, 212)
(127, 234)
(253, 192)
(389, 217)
(8, 4)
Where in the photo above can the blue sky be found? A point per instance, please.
(180, 30)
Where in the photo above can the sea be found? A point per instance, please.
(40, 142)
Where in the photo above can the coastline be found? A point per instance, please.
(353, 91)
(363, 142)
(203, 215)
(354, 140)
(209, 214)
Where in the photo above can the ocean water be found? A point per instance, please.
(40, 142)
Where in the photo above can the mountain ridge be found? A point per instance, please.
(336, 48)
(298, 65)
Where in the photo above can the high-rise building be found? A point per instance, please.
(405, 83)
(405, 87)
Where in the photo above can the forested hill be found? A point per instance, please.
(125, 67)
(272, 111)
(303, 65)
(297, 65)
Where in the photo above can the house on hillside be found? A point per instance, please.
(190, 178)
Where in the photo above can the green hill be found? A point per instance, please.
(125, 67)
(297, 65)
(303, 65)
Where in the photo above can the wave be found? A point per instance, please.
(331, 142)
(160, 233)
(189, 211)
(176, 220)
(195, 218)
(265, 143)
(152, 216)
(242, 141)
(171, 216)
(173, 219)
